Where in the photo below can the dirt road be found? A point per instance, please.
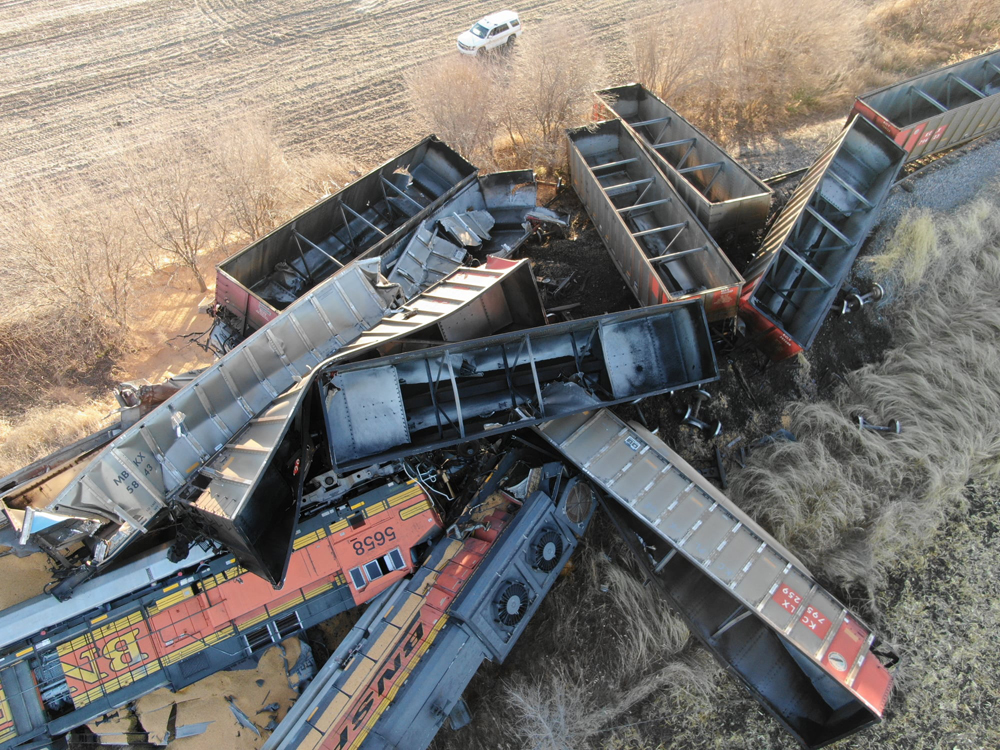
(81, 78)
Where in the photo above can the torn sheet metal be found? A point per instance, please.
(938, 110)
(252, 489)
(465, 391)
(659, 246)
(803, 655)
(794, 278)
(361, 221)
(721, 192)
(468, 229)
(130, 481)
(427, 259)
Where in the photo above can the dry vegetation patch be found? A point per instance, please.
(851, 501)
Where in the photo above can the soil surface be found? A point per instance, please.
(82, 79)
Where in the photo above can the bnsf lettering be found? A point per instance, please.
(384, 684)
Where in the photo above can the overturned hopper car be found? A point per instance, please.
(360, 221)
(938, 110)
(807, 659)
(391, 407)
(806, 256)
(722, 193)
(660, 248)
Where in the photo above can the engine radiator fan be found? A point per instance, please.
(512, 603)
(547, 548)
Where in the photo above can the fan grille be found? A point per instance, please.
(512, 603)
(548, 549)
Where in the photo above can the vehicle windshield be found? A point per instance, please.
(480, 31)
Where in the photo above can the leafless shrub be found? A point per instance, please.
(849, 501)
(454, 97)
(322, 173)
(175, 199)
(737, 67)
(253, 175)
(68, 293)
(550, 88)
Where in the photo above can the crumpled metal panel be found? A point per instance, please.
(368, 407)
(427, 259)
(470, 228)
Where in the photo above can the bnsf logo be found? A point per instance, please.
(390, 672)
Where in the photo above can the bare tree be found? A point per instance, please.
(68, 296)
(454, 97)
(253, 175)
(550, 89)
(171, 193)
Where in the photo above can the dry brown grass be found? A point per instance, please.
(849, 501)
(48, 427)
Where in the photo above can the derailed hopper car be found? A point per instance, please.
(808, 660)
(722, 193)
(360, 221)
(659, 246)
(938, 110)
(409, 403)
(792, 281)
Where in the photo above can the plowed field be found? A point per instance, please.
(80, 77)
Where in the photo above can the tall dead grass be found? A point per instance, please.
(590, 678)
(43, 429)
(851, 501)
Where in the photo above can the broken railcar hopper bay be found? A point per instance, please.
(794, 278)
(248, 495)
(938, 110)
(722, 193)
(208, 614)
(409, 403)
(362, 220)
(808, 660)
(660, 248)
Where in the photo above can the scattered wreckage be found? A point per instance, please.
(383, 424)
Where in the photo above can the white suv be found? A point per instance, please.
(493, 31)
